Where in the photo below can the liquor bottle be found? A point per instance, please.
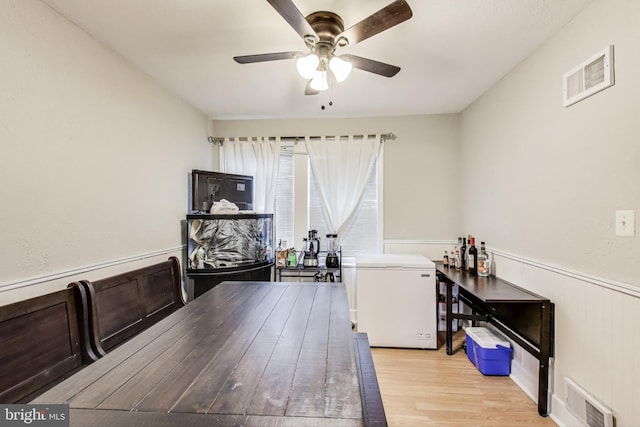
(484, 264)
(463, 255)
(445, 259)
(472, 259)
(456, 258)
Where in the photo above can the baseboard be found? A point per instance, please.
(525, 380)
(561, 415)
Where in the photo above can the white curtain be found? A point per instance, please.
(259, 158)
(341, 169)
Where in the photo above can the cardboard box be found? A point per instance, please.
(489, 351)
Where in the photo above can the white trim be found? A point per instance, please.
(380, 188)
(421, 242)
(84, 269)
(613, 285)
(624, 288)
(560, 414)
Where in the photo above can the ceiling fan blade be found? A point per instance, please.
(263, 57)
(376, 67)
(308, 90)
(292, 15)
(387, 17)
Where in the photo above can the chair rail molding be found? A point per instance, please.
(86, 268)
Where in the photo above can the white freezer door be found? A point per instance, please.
(397, 307)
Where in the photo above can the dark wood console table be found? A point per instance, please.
(523, 316)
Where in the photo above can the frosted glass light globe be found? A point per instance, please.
(307, 65)
(341, 68)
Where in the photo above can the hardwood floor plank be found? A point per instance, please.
(429, 388)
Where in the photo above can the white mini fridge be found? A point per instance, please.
(396, 300)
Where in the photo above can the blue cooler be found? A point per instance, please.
(489, 351)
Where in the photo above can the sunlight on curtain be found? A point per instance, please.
(341, 169)
(259, 158)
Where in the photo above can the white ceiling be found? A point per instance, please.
(450, 52)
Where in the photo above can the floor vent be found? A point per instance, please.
(592, 76)
(587, 409)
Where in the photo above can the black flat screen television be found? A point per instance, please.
(208, 187)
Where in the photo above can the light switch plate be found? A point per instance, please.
(626, 223)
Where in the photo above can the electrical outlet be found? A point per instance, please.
(626, 223)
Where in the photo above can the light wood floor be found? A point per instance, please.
(429, 388)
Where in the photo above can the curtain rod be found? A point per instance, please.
(220, 139)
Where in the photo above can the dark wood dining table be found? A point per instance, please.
(243, 353)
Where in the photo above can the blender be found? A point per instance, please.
(332, 260)
(311, 251)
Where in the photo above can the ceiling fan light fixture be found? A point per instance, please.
(307, 65)
(341, 68)
(319, 81)
(323, 32)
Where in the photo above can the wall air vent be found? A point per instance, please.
(587, 409)
(592, 76)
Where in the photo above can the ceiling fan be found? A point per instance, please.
(323, 33)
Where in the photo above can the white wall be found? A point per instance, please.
(542, 184)
(94, 156)
(546, 180)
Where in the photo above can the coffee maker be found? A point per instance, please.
(312, 247)
(332, 260)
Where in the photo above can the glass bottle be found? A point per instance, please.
(445, 259)
(463, 255)
(484, 263)
(472, 258)
(456, 259)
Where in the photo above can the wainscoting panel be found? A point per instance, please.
(432, 249)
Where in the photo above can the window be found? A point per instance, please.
(284, 199)
(362, 236)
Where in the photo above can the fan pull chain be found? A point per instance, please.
(322, 107)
